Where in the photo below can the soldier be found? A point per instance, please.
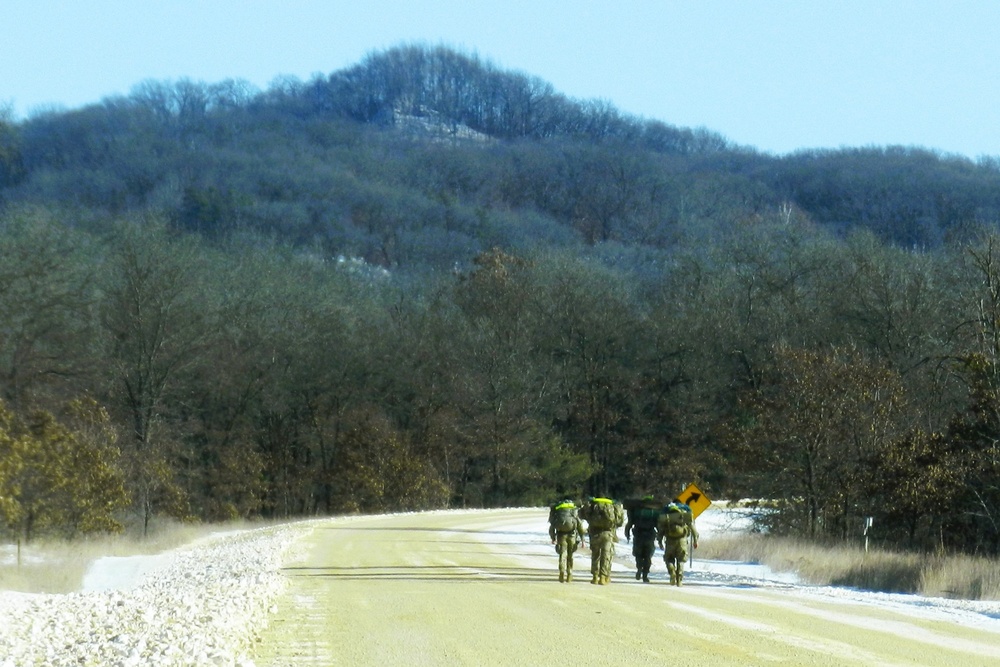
(676, 525)
(566, 532)
(603, 517)
(643, 516)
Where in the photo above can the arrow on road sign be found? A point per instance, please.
(693, 497)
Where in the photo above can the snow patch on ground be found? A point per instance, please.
(199, 605)
(122, 572)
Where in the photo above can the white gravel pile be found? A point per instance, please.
(205, 606)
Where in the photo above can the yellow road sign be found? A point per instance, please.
(695, 499)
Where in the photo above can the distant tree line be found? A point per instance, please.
(146, 372)
(425, 282)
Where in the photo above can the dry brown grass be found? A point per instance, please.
(960, 577)
(58, 566)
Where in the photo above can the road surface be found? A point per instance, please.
(481, 588)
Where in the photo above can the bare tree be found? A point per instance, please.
(158, 319)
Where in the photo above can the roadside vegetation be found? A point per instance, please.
(886, 571)
(54, 565)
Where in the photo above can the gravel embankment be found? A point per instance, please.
(204, 607)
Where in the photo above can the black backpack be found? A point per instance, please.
(645, 517)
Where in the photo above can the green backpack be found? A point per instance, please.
(675, 521)
(563, 517)
(601, 514)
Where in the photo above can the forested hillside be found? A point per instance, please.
(425, 281)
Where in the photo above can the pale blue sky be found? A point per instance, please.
(779, 75)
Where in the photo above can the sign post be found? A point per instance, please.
(698, 502)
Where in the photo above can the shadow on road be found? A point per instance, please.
(453, 573)
(435, 530)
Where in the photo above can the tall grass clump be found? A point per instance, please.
(960, 577)
(876, 570)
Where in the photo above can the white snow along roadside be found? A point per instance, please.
(201, 606)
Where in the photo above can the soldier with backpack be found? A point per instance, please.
(603, 517)
(675, 527)
(566, 532)
(643, 517)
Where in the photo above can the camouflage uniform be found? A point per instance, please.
(602, 539)
(566, 541)
(643, 516)
(676, 525)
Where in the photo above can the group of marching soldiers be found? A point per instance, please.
(649, 524)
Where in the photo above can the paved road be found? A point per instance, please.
(453, 588)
